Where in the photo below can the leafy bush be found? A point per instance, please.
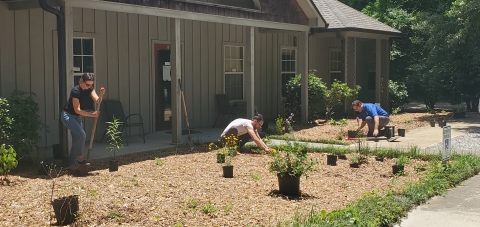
(26, 122)
(316, 93)
(337, 94)
(5, 121)
(8, 159)
(291, 160)
(398, 95)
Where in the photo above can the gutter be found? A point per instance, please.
(62, 65)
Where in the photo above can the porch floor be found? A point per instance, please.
(153, 141)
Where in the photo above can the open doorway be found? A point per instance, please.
(163, 88)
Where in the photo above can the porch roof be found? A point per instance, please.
(341, 17)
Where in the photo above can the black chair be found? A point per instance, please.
(224, 107)
(115, 109)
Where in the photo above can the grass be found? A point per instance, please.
(324, 141)
(385, 210)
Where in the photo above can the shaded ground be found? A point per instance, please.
(188, 188)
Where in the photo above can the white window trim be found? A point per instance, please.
(280, 65)
(224, 44)
(330, 61)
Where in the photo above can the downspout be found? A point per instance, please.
(62, 65)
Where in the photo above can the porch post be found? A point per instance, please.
(303, 69)
(66, 84)
(249, 71)
(385, 73)
(378, 70)
(350, 65)
(176, 74)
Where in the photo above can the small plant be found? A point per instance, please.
(227, 149)
(192, 204)
(115, 214)
(338, 122)
(256, 176)
(8, 160)
(228, 208)
(356, 158)
(209, 208)
(5, 121)
(113, 135)
(402, 160)
(284, 125)
(337, 94)
(159, 161)
(292, 160)
(408, 121)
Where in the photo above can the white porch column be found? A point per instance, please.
(303, 69)
(176, 73)
(378, 70)
(249, 72)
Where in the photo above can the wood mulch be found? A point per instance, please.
(187, 188)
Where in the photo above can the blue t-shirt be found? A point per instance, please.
(372, 110)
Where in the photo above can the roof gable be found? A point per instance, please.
(342, 17)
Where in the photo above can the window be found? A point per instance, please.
(335, 65)
(83, 57)
(233, 68)
(288, 63)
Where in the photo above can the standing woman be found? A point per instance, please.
(82, 96)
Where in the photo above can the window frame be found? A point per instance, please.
(338, 61)
(81, 72)
(242, 72)
(295, 72)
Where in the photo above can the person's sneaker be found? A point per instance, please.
(84, 162)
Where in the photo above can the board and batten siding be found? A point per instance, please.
(124, 63)
(319, 55)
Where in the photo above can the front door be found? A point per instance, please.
(163, 88)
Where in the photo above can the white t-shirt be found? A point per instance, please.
(240, 124)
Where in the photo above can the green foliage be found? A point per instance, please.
(385, 210)
(5, 121)
(398, 94)
(115, 215)
(26, 122)
(356, 158)
(284, 125)
(337, 94)
(209, 208)
(113, 135)
(402, 160)
(343, 121)
(226, 149)
(316, 93)
(159, 161)
(325, 141)
(8, 159)
(256, 176)
(292, 160)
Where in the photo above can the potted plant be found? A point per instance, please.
(355, 160)
(399, 166)
(115, 142)
(226, 153)
(332, 158)
(380, 155)
(353, 132)
(290, 162)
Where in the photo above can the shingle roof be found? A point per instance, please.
(342, 17)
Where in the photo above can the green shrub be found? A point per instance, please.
(398, 94)
(5, 121)
(8, 159)
(316, 94)
(26, 122)
(337, 94)
(113, 135)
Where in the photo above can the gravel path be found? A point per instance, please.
(469, 142)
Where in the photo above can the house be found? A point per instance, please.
(141, 51)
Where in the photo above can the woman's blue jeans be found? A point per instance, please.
(75, 125)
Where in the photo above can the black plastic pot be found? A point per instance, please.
(355, 165)
(401, 132)
(331, 160)
(288, 185)
(342, 156)
(65, 209)
(432, 123)
(113, 165)
(442, 123)
(352, 133)
(396, 169)
(227, 171)
(380, 159)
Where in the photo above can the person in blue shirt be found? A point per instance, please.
(372, 115)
